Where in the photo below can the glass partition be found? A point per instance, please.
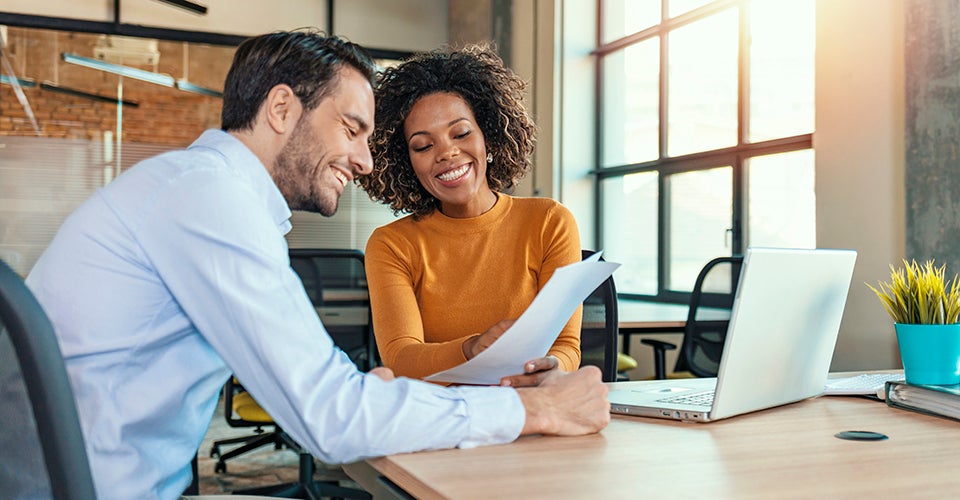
(77, 109)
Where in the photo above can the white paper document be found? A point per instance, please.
(536, 329)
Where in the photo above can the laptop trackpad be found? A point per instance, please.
(664, 390)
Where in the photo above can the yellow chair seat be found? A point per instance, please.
(248, 409)
(625, 362)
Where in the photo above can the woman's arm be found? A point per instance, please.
(561, 247)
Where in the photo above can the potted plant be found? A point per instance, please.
(925, 308)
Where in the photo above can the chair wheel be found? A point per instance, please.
(220, 467)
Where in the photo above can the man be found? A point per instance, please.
(176, 275)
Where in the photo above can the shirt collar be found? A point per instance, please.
(239, 157)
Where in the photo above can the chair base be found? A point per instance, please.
(306, 487)
(276, 438)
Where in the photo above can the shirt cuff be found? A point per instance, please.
(496, 415)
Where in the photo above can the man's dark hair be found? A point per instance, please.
(306, 60)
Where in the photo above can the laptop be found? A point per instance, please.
(779, 344)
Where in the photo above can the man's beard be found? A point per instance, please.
(297, 176)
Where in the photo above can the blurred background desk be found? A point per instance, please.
(646, 317)
(785, 452)
(641, 316)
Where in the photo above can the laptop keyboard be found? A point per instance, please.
(698, 399)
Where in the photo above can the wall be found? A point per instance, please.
(859, 144)
(35, 54)
(410, 25)
(933, 131)
(395, 24)
(239, 17)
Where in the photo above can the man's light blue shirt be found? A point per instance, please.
(176, 275)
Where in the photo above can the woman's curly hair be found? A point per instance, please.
(493, 92)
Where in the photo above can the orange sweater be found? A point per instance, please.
(438, 281)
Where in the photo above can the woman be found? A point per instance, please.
(445, 282)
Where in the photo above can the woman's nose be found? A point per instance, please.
(447, 152)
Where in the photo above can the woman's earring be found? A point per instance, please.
(489, 157)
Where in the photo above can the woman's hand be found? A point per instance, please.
(534, 372)
(478, 343)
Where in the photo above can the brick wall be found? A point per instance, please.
(164, 116)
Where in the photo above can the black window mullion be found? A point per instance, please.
(663, 212)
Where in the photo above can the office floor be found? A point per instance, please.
(262, 467)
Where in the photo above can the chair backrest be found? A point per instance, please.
(703, 335)
(51, 401)
(337, 285)
(600, 328)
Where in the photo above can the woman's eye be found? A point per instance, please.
(462, 135)
(420, 149)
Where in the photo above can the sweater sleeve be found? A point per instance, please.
(397, 324)
(561, 247)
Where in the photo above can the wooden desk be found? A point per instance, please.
(785, 452)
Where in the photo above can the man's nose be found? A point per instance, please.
(362, 160)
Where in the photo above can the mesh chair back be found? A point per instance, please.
(336, 283)
(28, 342)
(703, 339)
(600, 328)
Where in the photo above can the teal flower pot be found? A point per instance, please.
(930, 353)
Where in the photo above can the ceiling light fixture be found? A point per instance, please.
(23, 82)
(119, 69)
(190, 87)
(187, 5)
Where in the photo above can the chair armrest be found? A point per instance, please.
(658, 345)
(660, 349)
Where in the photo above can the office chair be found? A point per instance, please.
(42, 378)
(335, 282)
(600, 328)
(703, 338)
(241, 410)
(37, 406)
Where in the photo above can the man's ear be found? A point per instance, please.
(282, 109)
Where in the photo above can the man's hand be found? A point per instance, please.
(534, 372)
(566, 404)
(383, 372)
(478, 343)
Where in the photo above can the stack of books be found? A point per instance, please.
(939, 400)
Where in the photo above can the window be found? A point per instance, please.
(706, 116)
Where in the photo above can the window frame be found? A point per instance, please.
(736, 156)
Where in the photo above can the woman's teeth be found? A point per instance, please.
(453, 174)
